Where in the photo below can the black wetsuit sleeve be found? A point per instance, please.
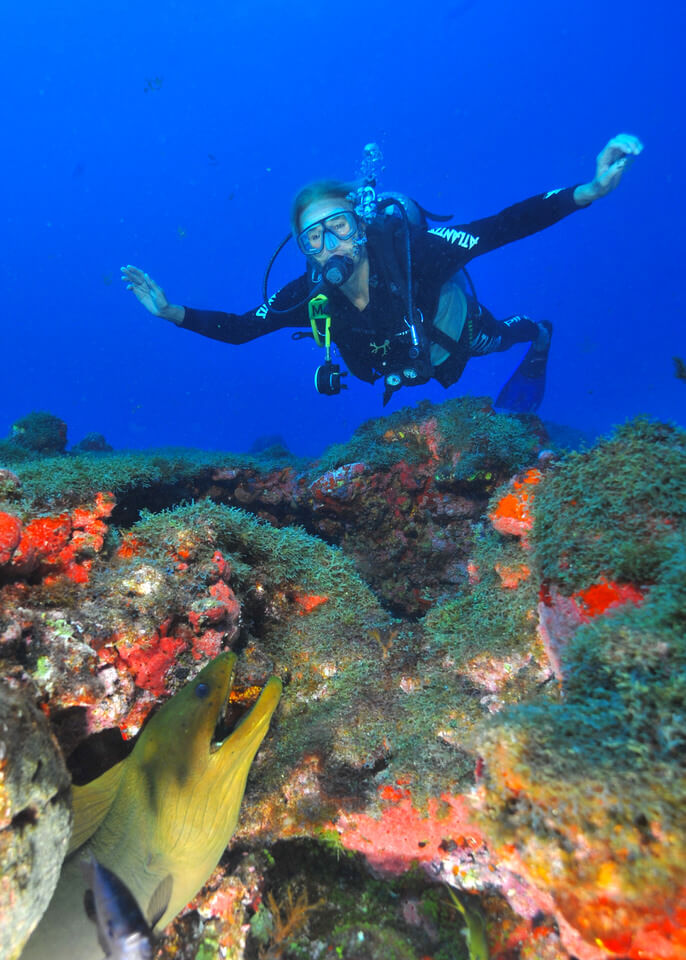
(449, 248)
(242, 327)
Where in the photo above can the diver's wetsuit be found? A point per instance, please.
(374, 341)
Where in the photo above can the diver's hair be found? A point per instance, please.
(318, 190)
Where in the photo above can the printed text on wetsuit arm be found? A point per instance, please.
(514, 223)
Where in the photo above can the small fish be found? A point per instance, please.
(474, 932)
(161, 819)
(122, 931)
(212, 160)
(679, 368)
(180, 232)
(152, 84)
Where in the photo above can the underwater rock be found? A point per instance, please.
(563, 437)
(217, 921)
(10, 535)
(92, 443)
(35, 816)
(513, 513)
(40, 432)
(62, 544)
(582, 795)
(270, 444)
(401, 497)
(10, 485)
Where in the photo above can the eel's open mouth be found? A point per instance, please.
(236, 705)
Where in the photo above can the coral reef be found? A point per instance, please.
(399, 498)
(584, 794)
(483, 651)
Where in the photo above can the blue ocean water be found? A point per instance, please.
(173, 135)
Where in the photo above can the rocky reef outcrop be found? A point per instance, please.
(483, 650)
(35, 815)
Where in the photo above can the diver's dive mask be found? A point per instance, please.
(327, 233)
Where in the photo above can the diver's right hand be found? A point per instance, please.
(151, 294)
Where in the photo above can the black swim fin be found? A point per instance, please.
(523, 392)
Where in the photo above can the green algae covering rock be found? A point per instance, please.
(35, 817)
(583, 791)
(483, 655)
(40, 432)
(612, 511)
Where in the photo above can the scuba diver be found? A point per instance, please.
(388, 289)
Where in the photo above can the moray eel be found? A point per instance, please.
(161, 819)
(474, 931)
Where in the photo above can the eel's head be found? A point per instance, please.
(198, 725)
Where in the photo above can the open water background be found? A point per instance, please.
(173, 136)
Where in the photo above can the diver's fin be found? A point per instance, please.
(159, 901)
(91, 802)
(523, 392)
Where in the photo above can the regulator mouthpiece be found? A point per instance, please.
(337, 270)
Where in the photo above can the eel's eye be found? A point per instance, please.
(201, 690)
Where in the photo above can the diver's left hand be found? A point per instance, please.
(611, 163)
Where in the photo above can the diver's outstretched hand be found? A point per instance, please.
(611, 163)
(151, 294)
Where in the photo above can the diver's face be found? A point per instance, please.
(331, 235)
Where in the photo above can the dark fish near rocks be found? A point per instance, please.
(122, 931)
